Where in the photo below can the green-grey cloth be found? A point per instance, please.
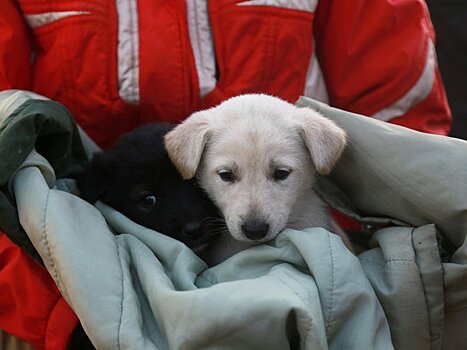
(29, 121)
(390, 174)
(144, 290)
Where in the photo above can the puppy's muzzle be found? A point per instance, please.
(192, 230)
(255, 230)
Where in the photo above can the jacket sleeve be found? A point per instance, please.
(378, 59)
(31, 306)
(15, 48)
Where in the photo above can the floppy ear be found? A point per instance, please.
(185, 143)
(96, 179)
(324, 139)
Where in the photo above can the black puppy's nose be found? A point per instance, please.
(255, 229)
(192, 230)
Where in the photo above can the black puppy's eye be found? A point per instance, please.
(149, 200)
(281, 174)
(226, 175)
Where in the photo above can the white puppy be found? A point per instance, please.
(256, 157)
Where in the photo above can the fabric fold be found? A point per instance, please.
(144, 290)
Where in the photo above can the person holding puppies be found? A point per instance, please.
(116, 65)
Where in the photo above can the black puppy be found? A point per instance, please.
(137, 178)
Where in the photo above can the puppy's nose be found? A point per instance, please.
(192, 230)
(255, 229)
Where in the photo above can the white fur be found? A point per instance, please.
(252, 136)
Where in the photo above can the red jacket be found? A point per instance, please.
(116, 66)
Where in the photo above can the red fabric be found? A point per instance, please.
(167, 66)
(31, 306)
(371, 53)
(14, 62)
(261, 49)
(429, 115)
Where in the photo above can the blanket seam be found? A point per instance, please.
(386, 262)
(331, 293)
(121, 299)
(433, 337)
(46, 242)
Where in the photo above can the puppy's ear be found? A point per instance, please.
(324, 139)
(185, 143)
(96, 179)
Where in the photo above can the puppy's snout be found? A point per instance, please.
(255, 229)
(192, 230)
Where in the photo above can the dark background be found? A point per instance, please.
(450, 21)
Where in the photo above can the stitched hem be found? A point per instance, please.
(331, 289)
(122, 296)
(46, 243)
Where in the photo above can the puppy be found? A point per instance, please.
(256, 157)
(137, 178)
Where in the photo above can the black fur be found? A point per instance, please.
(135, 169)
(138, 167)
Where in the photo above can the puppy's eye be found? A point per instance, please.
(149, 200)
(281, 174)
(226, 175)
